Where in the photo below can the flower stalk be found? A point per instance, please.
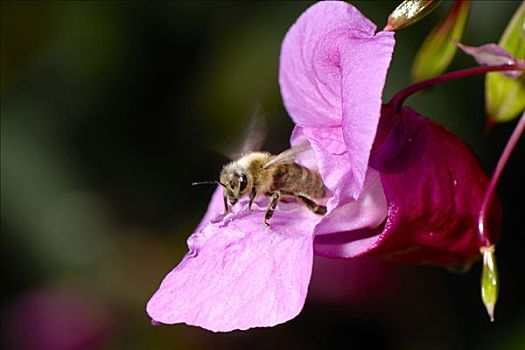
(397, 101)
(489, 194)
(489, 275)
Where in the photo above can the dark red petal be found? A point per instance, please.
(434, 187)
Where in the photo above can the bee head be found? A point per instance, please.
(234, 181)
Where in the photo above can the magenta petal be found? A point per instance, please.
(240, 274)
(333, 69)
(434, 187)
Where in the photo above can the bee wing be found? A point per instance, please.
(253, 137)
(288, 155)
(255, 133)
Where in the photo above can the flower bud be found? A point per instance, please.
(409, 12)
(504, 96)
(438, 49)
(489, 280)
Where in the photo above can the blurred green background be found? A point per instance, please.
(109, 110)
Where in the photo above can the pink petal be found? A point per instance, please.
(240, 274)
(488, 54)
(331, 159)
(369, 211)
(344, 213)
(332, 73)
(311, 83)
(367, 65)
(433, 185)
(492, 55)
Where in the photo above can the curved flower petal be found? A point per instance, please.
(434, 187)
(239, 273)
(492, 55)
(332, 72)
(335, 169)
(368, 211)
(362, 105)
(488, 54)
(309, 74)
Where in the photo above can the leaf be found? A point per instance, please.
(410, 12)
(438, 49)
(505, 97)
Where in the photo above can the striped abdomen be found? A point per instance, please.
(296, 180)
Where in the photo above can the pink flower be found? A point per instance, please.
(240, 274)
(396, 197)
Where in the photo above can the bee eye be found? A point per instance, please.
(243, 182)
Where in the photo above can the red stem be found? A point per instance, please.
(509, 147)
(397, 101)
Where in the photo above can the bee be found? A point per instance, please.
(274, 176)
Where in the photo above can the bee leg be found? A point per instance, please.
(226, 209)
(253, 193)
(271, 207)
(310, 204)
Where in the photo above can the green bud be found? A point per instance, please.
(409, 12)
(438, 49)
(489, 280)
(504, 96)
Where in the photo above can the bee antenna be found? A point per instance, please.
(208, 183)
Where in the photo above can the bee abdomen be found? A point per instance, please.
(295, 179)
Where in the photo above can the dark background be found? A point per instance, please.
(109, 110)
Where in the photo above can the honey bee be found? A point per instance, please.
(273, 176)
